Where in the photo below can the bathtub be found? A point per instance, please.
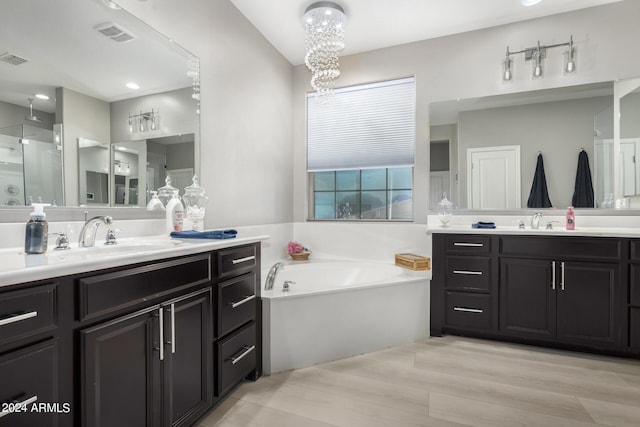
(338, 309)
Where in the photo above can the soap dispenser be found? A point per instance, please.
(571, 219)
(37, 231)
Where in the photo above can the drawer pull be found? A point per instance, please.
(468, 310)
(18, 317)
(245, 259)
(471, 273)
(472, 245)
(27, 402)
(242, 301)
(246, 351)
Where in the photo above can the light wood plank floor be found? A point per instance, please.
(449, 381)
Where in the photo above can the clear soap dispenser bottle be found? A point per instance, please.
(37, 231)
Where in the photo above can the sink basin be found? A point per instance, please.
(99, 251)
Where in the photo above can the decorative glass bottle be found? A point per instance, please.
(194, 199)
(445, 210)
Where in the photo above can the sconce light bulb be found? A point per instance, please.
(537, 71)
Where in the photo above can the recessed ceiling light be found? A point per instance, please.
(110, 4)
(530, 2)
(133, 85)
(42, 96)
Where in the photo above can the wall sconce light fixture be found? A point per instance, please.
(537, 54)
(143, 122)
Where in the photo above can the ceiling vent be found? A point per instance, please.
(12, 59)
(115, 32)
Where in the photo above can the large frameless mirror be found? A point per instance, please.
(122, 108)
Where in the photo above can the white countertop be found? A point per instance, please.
(528, 231)
(18, 267)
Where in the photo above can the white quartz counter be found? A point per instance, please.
(528, 231)
(18, 267)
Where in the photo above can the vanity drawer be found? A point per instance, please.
(109, 292)
(236, 303)
(27, 312)
(235, 261)
(30, 376)
(472, 273)
(468, 243)
(600, 248)
(236, 358)
(468, 310)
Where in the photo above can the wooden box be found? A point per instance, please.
(413, 262)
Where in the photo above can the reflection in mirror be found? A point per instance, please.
(30, 166)
(83, 72)
(485, 135)
(93, 162)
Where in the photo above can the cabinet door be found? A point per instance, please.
(587, 303)
(120, 371)
(527, 297)
(188, 367)
(29, 377)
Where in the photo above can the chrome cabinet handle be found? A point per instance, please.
(467, 272)
(242, 301)
(562, 275)
(241, 260)
(468, 310)
(29, 401)
(173, 328)
(474, 245)
(161, 334)
(553, 275)
(18, 318)
(246, 351)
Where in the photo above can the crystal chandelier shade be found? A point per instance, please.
(324, 24)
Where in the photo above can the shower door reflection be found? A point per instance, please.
(30, 166)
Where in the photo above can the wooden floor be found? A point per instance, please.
(449, 381)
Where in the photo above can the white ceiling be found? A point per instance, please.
(374, 24)
(63, 49)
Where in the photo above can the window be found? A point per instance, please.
(363, 194)
(360, 151)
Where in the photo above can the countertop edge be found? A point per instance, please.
(513, 231)
(188, 247)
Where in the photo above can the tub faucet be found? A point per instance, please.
(535, 221)
(89, 230)
(271, 276)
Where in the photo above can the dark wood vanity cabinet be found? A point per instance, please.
(29, 355)
(151, 344)
(238, 336)
(465, 296)
(552, 290)
(152, 367)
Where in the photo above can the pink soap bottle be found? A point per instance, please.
(571, 219)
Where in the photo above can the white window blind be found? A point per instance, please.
(362, 127)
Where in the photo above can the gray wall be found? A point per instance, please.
(469, 65)
(83, 117)
(11, 114)
(246, 112)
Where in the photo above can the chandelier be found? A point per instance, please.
(324, 24)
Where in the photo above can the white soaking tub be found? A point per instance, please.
(338, 309)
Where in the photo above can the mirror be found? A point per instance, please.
(506, 133)
(81, 54)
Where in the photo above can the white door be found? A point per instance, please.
(493, 177)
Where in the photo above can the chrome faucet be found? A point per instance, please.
(89, 230)
(535, 221)
(271, 276)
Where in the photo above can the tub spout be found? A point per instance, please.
(271, 276)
